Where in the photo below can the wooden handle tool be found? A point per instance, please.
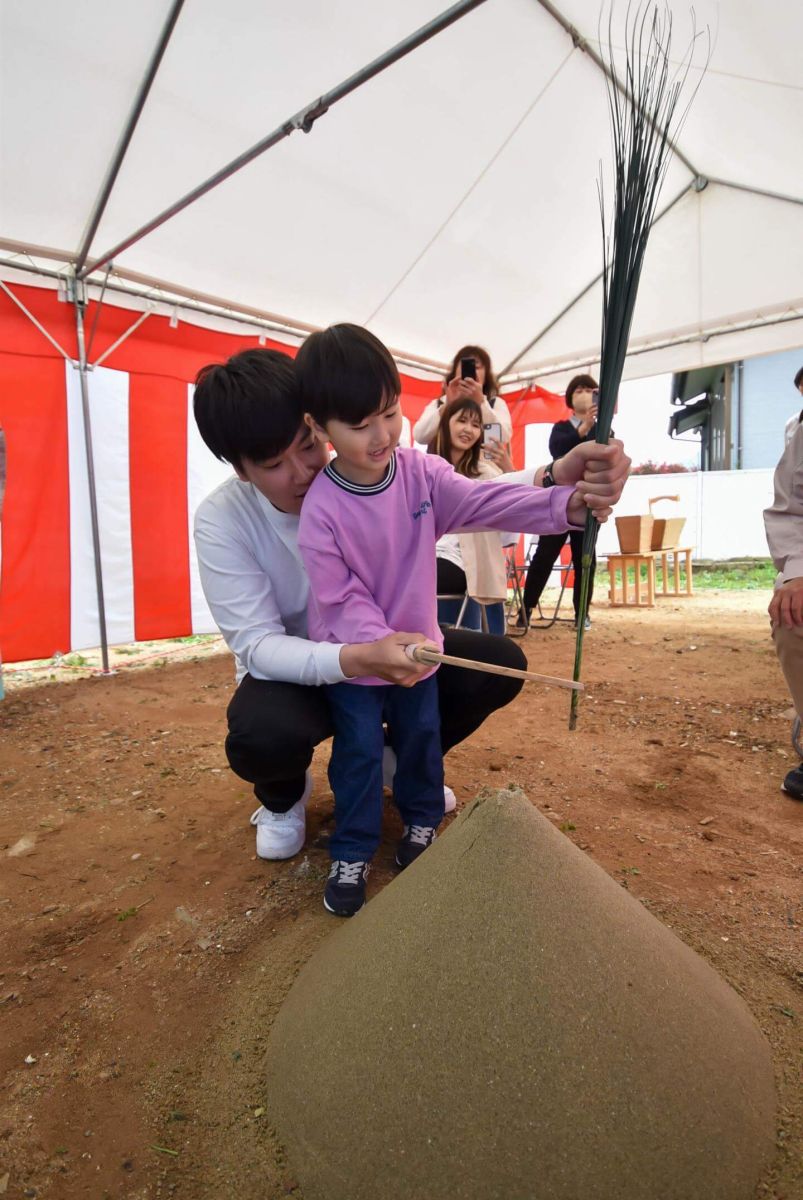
(422, 654)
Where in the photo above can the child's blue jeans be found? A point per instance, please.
(355, 768)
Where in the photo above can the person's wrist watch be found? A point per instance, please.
(548, 478)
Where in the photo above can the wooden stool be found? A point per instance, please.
(620, 562)
(676, 552)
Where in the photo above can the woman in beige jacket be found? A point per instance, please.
(469, 562)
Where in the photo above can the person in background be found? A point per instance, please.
(580, 427)
(469, 562)
(783, 523)
(481, 387)
(797, 419)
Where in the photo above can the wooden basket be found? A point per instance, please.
(635, 534)
(666, 534)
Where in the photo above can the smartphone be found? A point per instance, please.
(468, 368)
(493, 430)
(595, 399)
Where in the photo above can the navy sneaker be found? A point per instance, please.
(793, 783)
(413, 844)
(344, 894)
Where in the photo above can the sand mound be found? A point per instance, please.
(504, 1022)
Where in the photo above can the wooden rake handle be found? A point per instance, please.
(422, 654)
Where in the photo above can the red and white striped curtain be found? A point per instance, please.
(151, 472)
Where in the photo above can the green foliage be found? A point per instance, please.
(747, 574)
(653, 468)
(729, 575)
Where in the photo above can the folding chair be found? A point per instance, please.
(518, 572)
(465, 599)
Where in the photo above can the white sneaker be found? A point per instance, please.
(281, 835)
(389, 773)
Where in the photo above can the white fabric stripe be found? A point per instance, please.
(204, 473)
(108, 407)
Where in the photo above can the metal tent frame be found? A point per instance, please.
(78, 270)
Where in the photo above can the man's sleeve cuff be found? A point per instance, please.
(328, 660)
(793, 569)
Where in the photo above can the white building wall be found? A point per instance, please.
(723, 510)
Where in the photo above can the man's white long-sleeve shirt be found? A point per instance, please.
(257, 588)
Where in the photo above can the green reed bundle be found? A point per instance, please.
(645, 114)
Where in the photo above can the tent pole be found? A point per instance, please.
(582, 44)
(80, 307)
(303, 120)
(191, 301)
(126, 136)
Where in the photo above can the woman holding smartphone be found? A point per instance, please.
(581, 398)
(469, 562)
(471, 377)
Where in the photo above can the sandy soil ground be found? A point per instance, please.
(145, 950)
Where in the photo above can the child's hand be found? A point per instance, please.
(384, 658)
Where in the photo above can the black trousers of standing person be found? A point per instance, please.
(546, 554)
(274, 727)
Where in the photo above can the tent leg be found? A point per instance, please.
(80, 307)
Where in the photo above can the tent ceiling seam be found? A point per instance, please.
(471, 188)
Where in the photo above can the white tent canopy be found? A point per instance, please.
(451, 198)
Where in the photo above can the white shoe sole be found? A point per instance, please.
(285, 838)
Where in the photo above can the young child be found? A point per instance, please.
(367, 535)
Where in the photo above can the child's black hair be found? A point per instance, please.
(248, 407)
(345, 374)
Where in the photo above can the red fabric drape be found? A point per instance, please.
(161, 361)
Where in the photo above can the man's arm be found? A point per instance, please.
(242, 600)
(596, 475)
(426, 426)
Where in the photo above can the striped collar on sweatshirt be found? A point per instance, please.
(363, 489)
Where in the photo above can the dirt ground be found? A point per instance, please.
(145, 950)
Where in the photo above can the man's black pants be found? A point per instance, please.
(274, 727)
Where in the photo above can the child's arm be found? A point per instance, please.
(461, 504)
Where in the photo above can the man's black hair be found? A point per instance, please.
(345, 374)
(799, 378)
(248, 407)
